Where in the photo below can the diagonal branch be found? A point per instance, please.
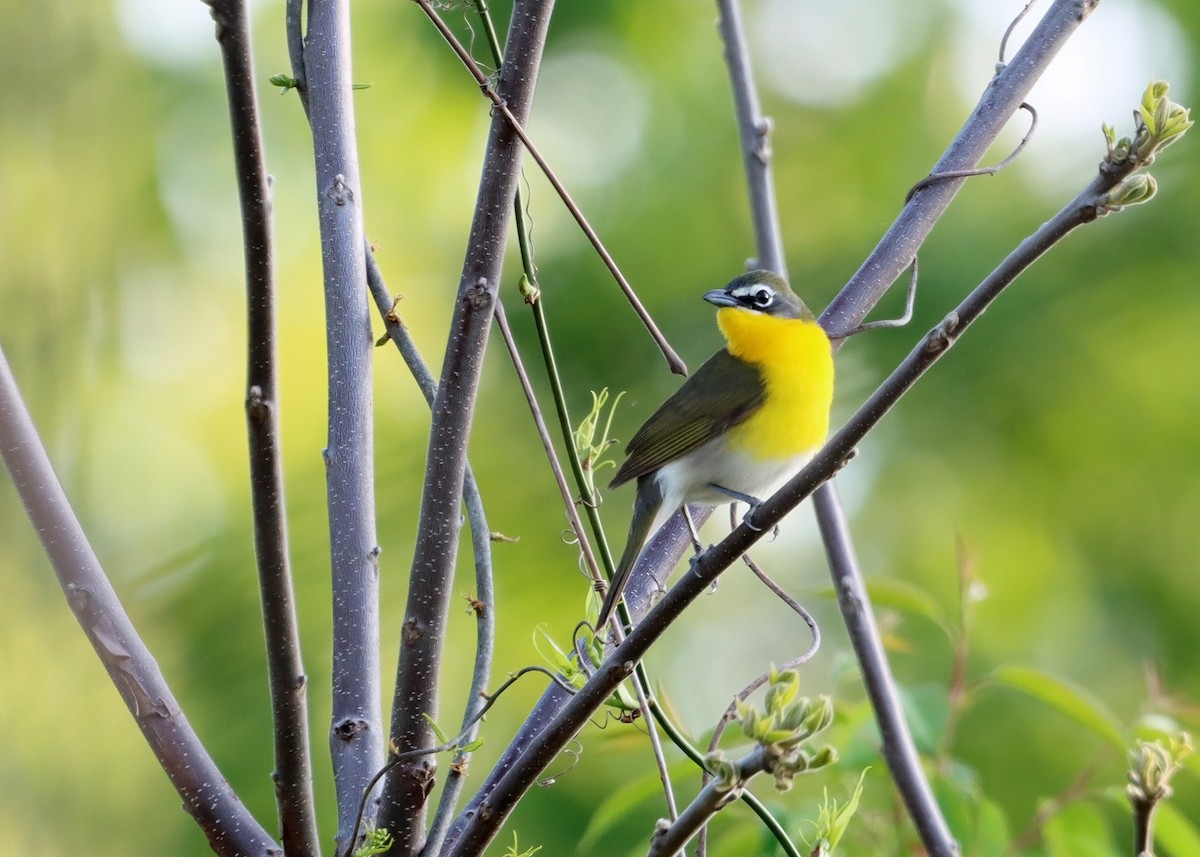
(356, 734)
(231, 830)
(422, 638)
(553, 737)
(1001, 99)
(293, 764)
(674, 361)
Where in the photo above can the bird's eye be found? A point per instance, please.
(762, 297)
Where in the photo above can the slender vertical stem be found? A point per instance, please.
(481, 546)
(293, 765)
(231, 830)
(406, 787)
(898, 748)
(356, 734)
(754, 131)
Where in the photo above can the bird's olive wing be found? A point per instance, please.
(724, 392)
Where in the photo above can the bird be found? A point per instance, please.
(741, 426)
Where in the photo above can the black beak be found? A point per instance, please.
(719, 297)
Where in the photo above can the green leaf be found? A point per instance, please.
(906, 598)
(1079, 830)
(992, 836)
(1069, 700)
(619, 806)
(927, 709)
(442, 738)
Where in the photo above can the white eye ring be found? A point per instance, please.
(762, 297)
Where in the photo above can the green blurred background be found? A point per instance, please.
(1058, 441)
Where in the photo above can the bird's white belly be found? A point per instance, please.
(690, 479)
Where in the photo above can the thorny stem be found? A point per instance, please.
(285, 667)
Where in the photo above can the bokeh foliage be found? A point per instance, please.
(1057, 442)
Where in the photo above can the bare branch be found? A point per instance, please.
(1002, 97)
(207, 797)
(674, 361)
(285, 667)
(356, 734)
(423, 634)
(754, 130)
(481, 546)
(901, 754)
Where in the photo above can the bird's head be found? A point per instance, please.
(761, 292)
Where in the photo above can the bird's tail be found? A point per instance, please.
(645, 509)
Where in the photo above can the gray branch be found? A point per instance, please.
(231, 830)
(356, 734)
(1000, 100)
(422, 637)
(481, 546)
(285, 667)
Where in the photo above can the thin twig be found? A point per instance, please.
(716, 795)
(469, 730)
(898, 747)
(501, 106)
(285, 666)
(653, 716)
(356, 729)
(754, 131)
(206, 795)
(560, 479)
(803, 658)
(481, 547)
(406, 788)
(295, 43)
(1002, 97)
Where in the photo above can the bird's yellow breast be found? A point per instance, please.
(796, 363)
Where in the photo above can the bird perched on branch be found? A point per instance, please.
(743, 424)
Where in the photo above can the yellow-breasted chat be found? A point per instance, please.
(742, 425)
